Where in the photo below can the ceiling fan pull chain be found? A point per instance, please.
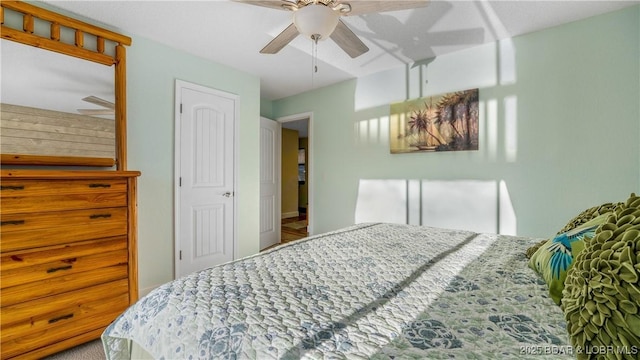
(315, 57)
(314, 48)
(313, 64)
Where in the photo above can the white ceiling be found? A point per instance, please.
(232, 33)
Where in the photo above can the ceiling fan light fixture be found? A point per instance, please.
(316, 19)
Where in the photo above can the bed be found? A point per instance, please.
(374, 290)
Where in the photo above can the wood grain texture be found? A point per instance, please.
(21, 188)
(51, 16)
(64, 276)
(73, 265)
(53, 45)
(50, 220)
(32, 131)
(76, 175)
(31, 257)
(61, 284)
(16, 159)
(133, 239)
(68, 262)
(121, 108)
(61, 316)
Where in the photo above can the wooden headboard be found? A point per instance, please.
(98, 52)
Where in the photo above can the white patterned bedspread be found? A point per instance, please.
(368, 291)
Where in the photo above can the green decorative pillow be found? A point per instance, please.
(601, 298)
(553, 258)
(583, 217)
(588, 215)
(532, 250)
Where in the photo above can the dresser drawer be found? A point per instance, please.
(20, 268)
(24, 230)
(30, 325)
(22, 196)
(61, 284)
(53, 203)
(29, 188)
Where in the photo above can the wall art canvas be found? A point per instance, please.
(447, 122)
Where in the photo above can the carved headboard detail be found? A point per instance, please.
(90, 43)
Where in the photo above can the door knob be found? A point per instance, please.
(228, 194)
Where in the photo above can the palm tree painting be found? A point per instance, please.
(446, 122)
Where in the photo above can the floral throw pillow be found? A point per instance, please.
(553, 259)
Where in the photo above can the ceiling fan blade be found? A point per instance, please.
(348, 41)
(96, 112)
(280, 41)
(100, 102)
(359, 7)
(274, 4)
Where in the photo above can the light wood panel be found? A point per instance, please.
(32, 131)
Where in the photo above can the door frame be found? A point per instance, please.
(179, 85)
(310, 166)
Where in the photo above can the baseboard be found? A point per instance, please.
(290, 214)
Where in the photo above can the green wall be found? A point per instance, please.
(560, 123)
(152, 69)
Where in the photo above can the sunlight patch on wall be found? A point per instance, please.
(508, 220)
(507, 62)
(491, 108)
(460, 204)
(511, 128)
(473, 205)
(372, 131)
(415, 204)
(382, 201)
(361, 132)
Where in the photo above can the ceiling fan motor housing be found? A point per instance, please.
(316, 20)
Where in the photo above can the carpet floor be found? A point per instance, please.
(88, 351)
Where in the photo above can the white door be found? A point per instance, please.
(205, 137)
(270, 147)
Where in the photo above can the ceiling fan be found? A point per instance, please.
(320, 19)
(109, 107)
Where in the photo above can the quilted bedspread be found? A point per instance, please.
(368, 291)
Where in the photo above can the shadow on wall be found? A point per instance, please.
(474, 205)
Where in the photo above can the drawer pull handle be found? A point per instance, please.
(63, 317)
(52, 270)
(99, 185)
(97, 216)
(11, 187)
(12, 222)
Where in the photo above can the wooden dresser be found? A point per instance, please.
(68, 257)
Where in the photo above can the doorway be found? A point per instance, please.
(205, 177)
(297, 214)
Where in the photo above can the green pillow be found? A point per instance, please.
(580, 219)
(601, 298)
(589, 214)
(553, 259)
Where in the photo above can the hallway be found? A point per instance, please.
(294, 228)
